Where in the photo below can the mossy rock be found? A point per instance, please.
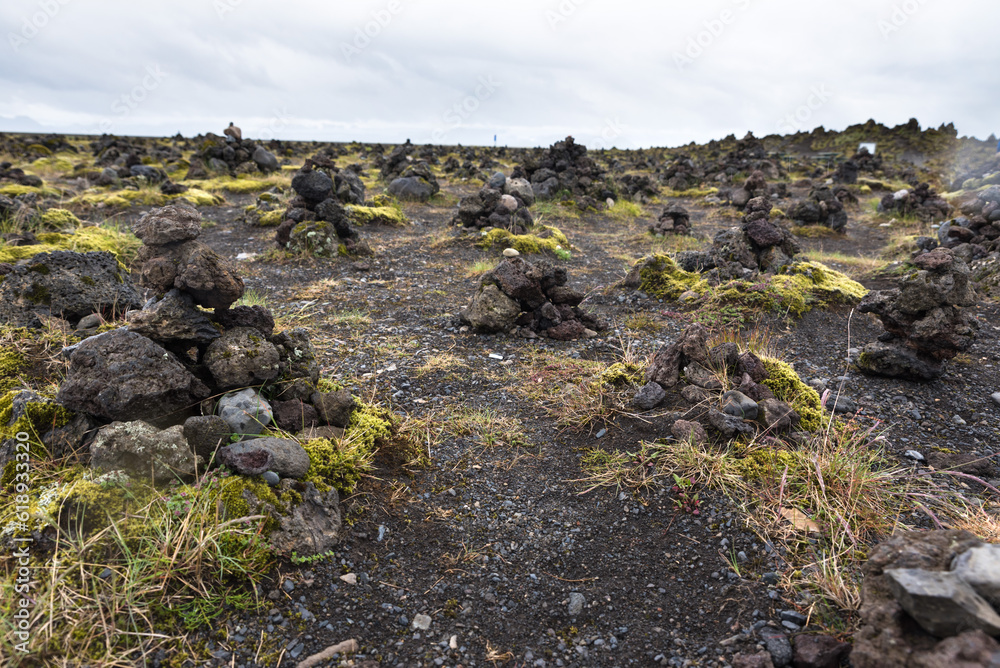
(805, 284)
(788, 387)
(660, 277)
(59, 219)
(376, 215)
(621, 374)
(15, 189)
(254, 215)
(541, 239)
(122, 245)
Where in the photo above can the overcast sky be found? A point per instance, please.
(612, 73)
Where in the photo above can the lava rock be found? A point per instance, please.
(141, 450)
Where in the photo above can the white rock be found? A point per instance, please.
(508, 202)
(510, 252)
(980, 568)
(996, 398)
(350, 578)
(421, 622)
(914, 455)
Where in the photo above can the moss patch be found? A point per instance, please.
(341, 463)
(59, 219)
(38, 419)
(662, 278)
(12, 363)
(621, 374)
(541, 239)
(15, 189)
(788, 387)
(123, 245)
(376, 215)
(815, 282)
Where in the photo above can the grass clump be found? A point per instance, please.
(624, 210)
(540, 239)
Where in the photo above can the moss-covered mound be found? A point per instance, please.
(123, 245)
(540, 239)
(788, 387)
(376, 215)
(660, 277)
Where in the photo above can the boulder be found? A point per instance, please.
(242, 357)
(283, 456)
(206, 433)
(257, 317)
(173, 320)
(649, 396)
(295, 415)
(491, 311)
(143, 451)
(313, 186)
(265, 160)
(334, 408)
(168, 224)
(685, 430)
(192, 267)
(411, 188)
(941, 602)
(122, 376)
(67, 285)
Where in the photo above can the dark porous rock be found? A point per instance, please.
(257, 317)
(241, 357)
(727, 425)
(283, 233)
(814, 650)
(688, 431)
(491, 310)
(173, 319)
(884, 359)
(702, 376)
(777, 415)
(673, 220)
(311, 527)
(294, 416)
(668, 361)
(649, 396)
(979, 466)
(313, 186)
(563, 294)
(334, 408)
(265, 160)
(778, 646)
(143, 451)
(888, 636)
(65, 284)
(751, 365)
(285, 457)
(194, 268)
(206, 433)
(971, 649)
(169, 224)
(316, 237)
(120, 375)
(694, 394)
(514, 276)
(411, 188)
(298, 370)
(724, 356)
(763, 233)
(761, 659)
(569, 330)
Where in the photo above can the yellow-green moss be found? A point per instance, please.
(341, 463)
(11, 365)
(57, 163)
(122, 199)
(40, 148)
(370, 424)
(819, 282)
(199, 197)
(541, 239)
(815, 231)
(123, 245)
(620, 374)
(625, 210)
(237, 185)
(38, 419)
(764, 463)
(231, 493)
(253, 215)
(15, 189)
(788, 387)
(376, 215)
(92, 503)
(59, 219)
(662, 278)
(692, 192)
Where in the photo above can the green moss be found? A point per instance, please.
(237, 185)
(662, 278)
(271, 218)
(123, 245)
(788, 387)
(59, 219)
(541, 239)
(764, 463)
(15, 189)
(376, 215)
(233, 491)
(811, 282)
(625, 210)
(620, 374)
(342, 463)
(94, 503)
(40, 149)
(12, 363)
(56, 162)
(370, 424)
(199, 197)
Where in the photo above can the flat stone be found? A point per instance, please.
(942, 603)
(739, 405)
(283, 456)
(649, 396)
(979, 567)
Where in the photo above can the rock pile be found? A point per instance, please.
(638, 187)
(862, 161)
(682, 174)
(502, 203)
(316, 221)
(754, 186)
(929, 598)
(674, 220)
(822, 207)
(150, 378)
(978, 226)
(565, 166)
(925, 318)
(530, 300)
(729, 391)
(9, 173)
(409, 179)
(747, 156)
(231, 155)
(922, 202)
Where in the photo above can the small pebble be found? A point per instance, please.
(510, 252)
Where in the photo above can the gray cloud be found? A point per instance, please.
(626, 73)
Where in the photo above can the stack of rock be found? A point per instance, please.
(757, 246)
(316, 221)
(502, 203)
(978, 226)
(929, 598)
(565, 166)
(9, 173)
(862, 161)
(682, 174)
(409, 179)
(674, 220)
(922, 202)
(347, 184)
(152, 378)
(754, 186)
(822, 207)
(638, 187)
(925, 318)
(748, 156)
(530, 300)
(231, 155)
(687, 367)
